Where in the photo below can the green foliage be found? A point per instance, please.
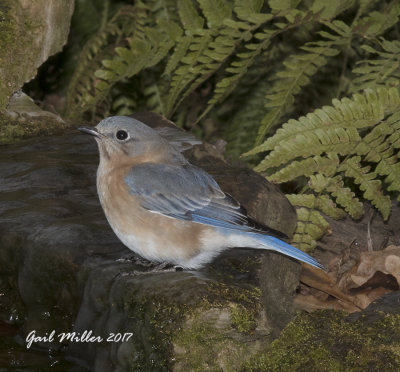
(187, 44)
(240, 68)
(384, 70)
(353, 142)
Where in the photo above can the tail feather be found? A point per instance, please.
(275, 244)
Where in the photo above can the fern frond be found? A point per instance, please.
(339, 140)
(355, 139)
(81, 88)
(322, 203)
(189, 69)
(124, 100)
(343, 196)
(371, 186)
(311, 225)
(246, 105)
(245, 59)
(299, 68)
(380, 146)
(215, 11)
(330, 126)
(154, 97)
(189, 17)
(137, 48)
(208, 50)
(376, 23)
(297, 74)
(327, 165)
(140, 54)
(330, 9)
(384, 70)
(243, 122)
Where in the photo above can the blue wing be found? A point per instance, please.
(189, 193)
(185, 192)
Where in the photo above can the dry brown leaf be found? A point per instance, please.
(374, 274)
(319, 279)
(311, 303)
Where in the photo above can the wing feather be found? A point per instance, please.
(188, 193)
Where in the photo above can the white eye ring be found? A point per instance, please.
(122, 135)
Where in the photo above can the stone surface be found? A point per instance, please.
(331, 341)
(30, 32)
(24, 119)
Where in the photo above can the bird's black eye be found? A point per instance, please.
(122, 135)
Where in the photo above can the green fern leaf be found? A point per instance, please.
(364, 129)
(81, 89)
(154, 96)
(322, 203)
(363, 111)
(190, 19)
(377, 22)
(140, 54)
(368, 183)
(216, 11)
(303, 241)
(311, 226)
(327, 165)
(243, 61)
(299, 68)
(382, 71)
(345, 197)
(282, 5)
(246, 8)
(330, 9)
(209, 49)
(339, 140)
(327, 206)
(379, 146)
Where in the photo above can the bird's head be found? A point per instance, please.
(121, 138)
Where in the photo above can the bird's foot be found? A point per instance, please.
(163, 267)
(132, 258)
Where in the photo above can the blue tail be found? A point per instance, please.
(275, 244)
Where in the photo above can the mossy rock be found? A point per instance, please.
(24, 119)
(332, 341)
(28, 36)
(181, 321)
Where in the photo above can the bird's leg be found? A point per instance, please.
(136, 260)
(162, 267)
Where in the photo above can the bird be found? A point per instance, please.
(164, 208)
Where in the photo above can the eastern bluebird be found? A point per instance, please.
(164, 208)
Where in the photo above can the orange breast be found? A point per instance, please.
(152, 235)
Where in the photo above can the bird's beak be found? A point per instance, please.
(92, 131)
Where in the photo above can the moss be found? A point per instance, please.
(242, 319)
(20, 45)
(12, 131)
(8, 37)
(209, 331)
(220, 292)
(155, 320)
(202, 347)
(329, 341)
